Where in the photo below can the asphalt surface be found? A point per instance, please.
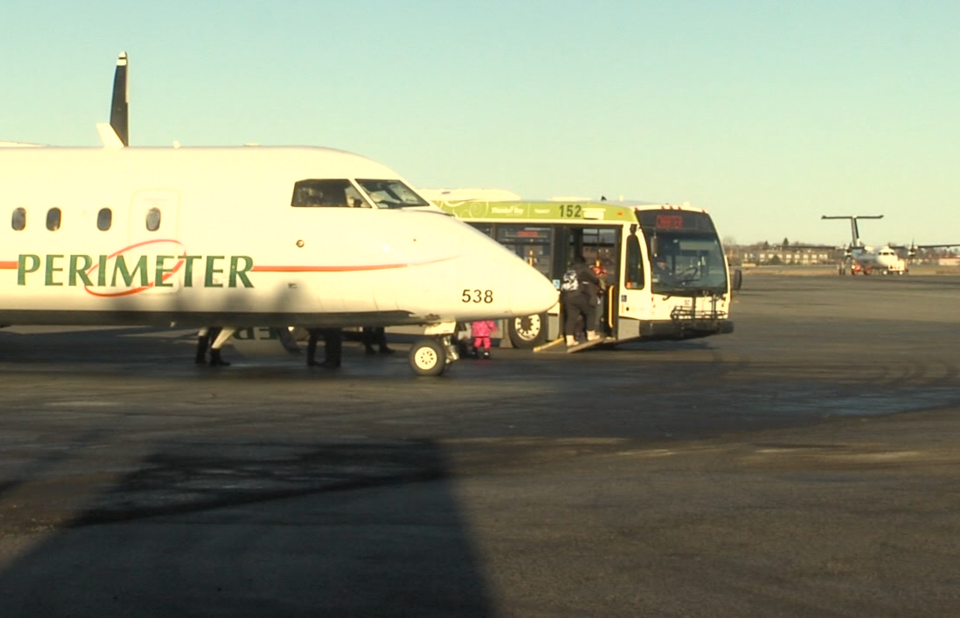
(805, 465)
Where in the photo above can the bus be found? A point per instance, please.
(664, 270)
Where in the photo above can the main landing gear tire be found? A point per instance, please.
(527, 332)
(428, 357)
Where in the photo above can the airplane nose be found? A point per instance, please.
(530, 291)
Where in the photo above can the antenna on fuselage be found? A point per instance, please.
(854, 231)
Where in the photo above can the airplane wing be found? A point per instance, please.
(821, 247)
(911, 251)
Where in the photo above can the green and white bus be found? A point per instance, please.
(666, 273)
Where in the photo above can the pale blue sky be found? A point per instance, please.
(767, 114)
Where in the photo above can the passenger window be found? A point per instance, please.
(53, 219)
(104, 219)
(332, 193)
(19, 219)
(633, 275)
(153, 219)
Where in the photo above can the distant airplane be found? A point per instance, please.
(241, 237)
(860, 258)
(885, 260)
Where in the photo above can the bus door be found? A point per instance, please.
(600, 247)
(634, 294)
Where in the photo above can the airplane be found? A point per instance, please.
(241, 237)
(886, 260)
(860, 258)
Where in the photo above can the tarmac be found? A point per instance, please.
(805, 465)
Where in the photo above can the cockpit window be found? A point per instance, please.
(328, 193)
(391, 194)
(354, 199)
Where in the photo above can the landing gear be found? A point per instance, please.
(430, 356)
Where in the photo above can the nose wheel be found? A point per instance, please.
(430, 356)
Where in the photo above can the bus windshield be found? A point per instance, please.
(391, 194)
(684, 264)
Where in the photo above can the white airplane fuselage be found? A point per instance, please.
(883, 260)
(208, 236)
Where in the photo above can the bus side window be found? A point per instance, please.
(486, 228)
(531, 243)
(633, 273)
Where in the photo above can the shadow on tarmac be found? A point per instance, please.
(232, 528)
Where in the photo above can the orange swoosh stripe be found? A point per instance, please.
(298, 269)
(335, 269)
(322, 269)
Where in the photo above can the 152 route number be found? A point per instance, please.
(571, 211)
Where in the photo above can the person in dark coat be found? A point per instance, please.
(578, 291)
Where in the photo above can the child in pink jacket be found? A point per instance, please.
(481, 331)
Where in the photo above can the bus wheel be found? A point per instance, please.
(529, 331)
(427, 357)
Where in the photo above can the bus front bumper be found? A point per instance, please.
(684, 329)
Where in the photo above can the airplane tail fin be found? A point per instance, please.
(855, 242)
(119, 109)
